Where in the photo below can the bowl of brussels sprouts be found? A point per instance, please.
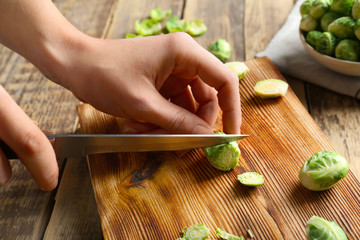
(330, 32)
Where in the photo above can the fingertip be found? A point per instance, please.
(50, 181)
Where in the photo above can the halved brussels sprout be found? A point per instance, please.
(308, 23)
(147, 27)
(196, 27)
(195, 232)
(342, 27)
(312, 37)
(221, 49)
(224, 235)
(158, 14)
(355, 12)
(326, 43)
(328, 18)
(319, 8)
(251, 179)
(271, 88)
(323, 170)
(318, 228)
(224, 156)
(342, 6)
(348, 49)
(357, 29)
(305, 7)
(239, 68)
(174, 24)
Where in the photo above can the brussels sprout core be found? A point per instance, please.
(224, 235)
(221, 49)
(323, 170)
(318, 228)
(224, 156)
(239, 68)
(195, 232)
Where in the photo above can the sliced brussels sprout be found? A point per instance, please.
(305, 7)
(308, 23)
(326, 43)
(195, 232)
(239, 68)
(318, 228)
(328, 18)
(319, 8)
(342, 6)
(221, 49)
(355, 12)
(251, 179)
(132, 35)
(147, 27)
(271, 88)
(224, 156)
(348, 49)
(342, 27)
(158, 14)
(357, 29)
(224, 235)
(196, 27)
(312, 37)
(323, 170)
(174, 24)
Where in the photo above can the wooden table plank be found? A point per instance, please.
(24, 209)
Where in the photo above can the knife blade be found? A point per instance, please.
(79, 145)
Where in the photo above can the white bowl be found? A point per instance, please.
(337, 65)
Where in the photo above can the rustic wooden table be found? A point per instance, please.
(70, 211)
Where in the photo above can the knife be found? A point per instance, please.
(79, 145)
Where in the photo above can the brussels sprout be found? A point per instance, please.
(147, 27)
(239, 68)
(175, 24)
(224, 235)
(342, 27)
(221, 49)
(308, 23)
(327, 19)
(271, 88)
(305, 7)
(312, 37)
(342, 6)
(196, 27)
(224, 156)
(357, 29)
(251, 179)
(132, 35)
(326, 43)
(348, 49)
(355, 12)
(323, 170)
(195, 232)
(319, 8)
(318, 228)
(158, 14)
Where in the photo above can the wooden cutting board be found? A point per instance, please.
(155, 195)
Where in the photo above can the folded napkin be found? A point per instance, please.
(291, 58)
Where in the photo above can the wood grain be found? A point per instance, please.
(155, 195)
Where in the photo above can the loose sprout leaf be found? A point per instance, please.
(270, 88)
(224, 156)
(221, 49)
(196, 232)
(158, 14)
(224, 235)
(132, 35)
(174, 24)
(239, 68)
(147, 27)
(318, 228)
(196, 27)
(348, 49)
(323, 170)
(251, 179)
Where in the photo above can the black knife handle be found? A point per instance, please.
(9, 153)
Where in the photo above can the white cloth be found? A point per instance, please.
(289, 55)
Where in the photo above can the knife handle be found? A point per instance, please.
(9, 153)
